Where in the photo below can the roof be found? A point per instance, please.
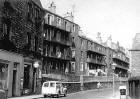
(122, 87)
(38, 2)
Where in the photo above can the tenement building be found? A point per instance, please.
(134, 80)
(20, 46)
(57, 42)
(117, 59)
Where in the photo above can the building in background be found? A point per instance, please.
(21, 45)
(117, 55)
(134, 77)
(57, 46)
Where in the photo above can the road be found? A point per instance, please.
(90, 94)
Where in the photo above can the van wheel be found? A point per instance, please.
(65, 94)
(45, 96)
(58, 95)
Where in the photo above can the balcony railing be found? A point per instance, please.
(119, 58)
(95, 61)
(58, 56)
(96, 51)
(59, 41)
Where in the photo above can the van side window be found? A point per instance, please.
(52, 84)
(46, 84)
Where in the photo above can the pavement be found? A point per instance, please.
(88, 94)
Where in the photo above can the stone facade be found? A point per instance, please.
(135, 55)
(21, 36)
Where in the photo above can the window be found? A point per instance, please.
(73, 28)
(46, 84)
(52, 84)
(73, 53)
(49, 19)
(81, 66)
(36, 43)
(73, 66)
(81, 43)
(58, 22)
(82, 54)
(4, 28)
(72, 39)
(29, 39)
(65, 25)
(3, 75)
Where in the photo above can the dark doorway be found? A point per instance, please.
(14, 83)
(26, 76)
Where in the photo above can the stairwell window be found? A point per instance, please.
(65, 24)
(29, 39)
(58, 22)
(72, 66)
(81, 66)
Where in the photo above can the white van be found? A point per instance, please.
(123, 92)
(53, 88)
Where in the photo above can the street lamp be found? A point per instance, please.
(129, 73)
(36, 65)
(113, 67)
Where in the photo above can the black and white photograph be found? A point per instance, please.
(69, 49)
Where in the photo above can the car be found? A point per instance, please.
(2, 94)
(53, 88)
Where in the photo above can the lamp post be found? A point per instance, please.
(36, 65)
(129, 73)
(113, 67)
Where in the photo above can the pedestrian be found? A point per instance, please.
(98, 85)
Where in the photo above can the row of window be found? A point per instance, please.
(92, 46)
(52, 34)
(57, 21)
(121, 56)
(33, 10)
(57, 51)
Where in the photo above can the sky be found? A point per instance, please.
(119, 18)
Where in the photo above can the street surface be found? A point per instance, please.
(90, 94)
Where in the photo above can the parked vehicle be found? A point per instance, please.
(53, 88)
(123, 92)
(3, 94)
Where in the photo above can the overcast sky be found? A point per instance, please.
(119, 18)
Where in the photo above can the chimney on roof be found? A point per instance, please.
(109, 41)
(52, 7)
(69, 16)
(98, 38)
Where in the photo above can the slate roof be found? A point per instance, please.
(38, 2)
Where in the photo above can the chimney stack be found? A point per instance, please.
(52, 8)
(69, 16)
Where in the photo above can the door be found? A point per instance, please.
(14, 83)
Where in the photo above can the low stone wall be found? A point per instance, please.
(73, 87)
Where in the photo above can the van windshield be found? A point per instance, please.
(52, 84)
(46, 84)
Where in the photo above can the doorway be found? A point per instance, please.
(14, 83)
(26, 76)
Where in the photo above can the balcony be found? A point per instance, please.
(123, 67)
(60, 56)
(121, 59)
(58, 41)
(95, 61)
(55, 26)
(94, 50)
